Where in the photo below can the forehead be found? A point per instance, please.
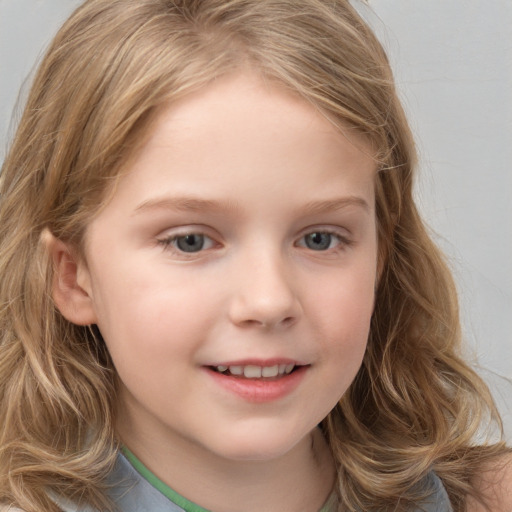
(248, 99)
(249, 134)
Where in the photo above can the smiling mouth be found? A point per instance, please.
(259, 383)
(256, 372)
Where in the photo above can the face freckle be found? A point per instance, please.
(232, 273)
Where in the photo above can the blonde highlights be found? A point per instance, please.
(414, 405)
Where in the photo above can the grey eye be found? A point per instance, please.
(190, 243)
(318, 241)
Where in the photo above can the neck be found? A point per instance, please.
(301, 480)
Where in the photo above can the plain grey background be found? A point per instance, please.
(453, 65)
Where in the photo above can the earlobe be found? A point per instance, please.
(71, 289)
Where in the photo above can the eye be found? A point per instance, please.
(322, 241)
(188, 243)
(318, 241)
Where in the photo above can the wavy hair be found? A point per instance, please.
(414, 406)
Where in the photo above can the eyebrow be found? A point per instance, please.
(318, 207)
(190, 204)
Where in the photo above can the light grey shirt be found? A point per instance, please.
(132, 492)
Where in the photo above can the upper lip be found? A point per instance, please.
(259, 362)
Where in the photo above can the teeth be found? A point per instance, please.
(256, 372)
(270, 371)
(236, 370)
(252, 372)
(288, 368)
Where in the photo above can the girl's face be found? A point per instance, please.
(232, 274)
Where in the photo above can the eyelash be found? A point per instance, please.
(170, 242)
(343, 241)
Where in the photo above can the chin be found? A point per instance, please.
(260, 446)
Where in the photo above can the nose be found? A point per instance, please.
(264, 294)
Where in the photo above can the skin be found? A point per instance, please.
(495, 484)
(242, 163)
(257, 171)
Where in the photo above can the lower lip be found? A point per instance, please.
(260, 390)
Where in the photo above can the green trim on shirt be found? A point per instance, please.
(176, 498)
(330, 503)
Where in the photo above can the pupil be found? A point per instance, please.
(318, 241)
(190, 243)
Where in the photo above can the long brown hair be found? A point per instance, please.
(414, 406)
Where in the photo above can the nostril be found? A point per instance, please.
(288, 320)
(253, 308)
(285, 322)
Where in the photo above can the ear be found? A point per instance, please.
(71, 288)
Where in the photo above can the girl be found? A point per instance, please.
(217, 293)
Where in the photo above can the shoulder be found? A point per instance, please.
(437, 499)
(495, 484)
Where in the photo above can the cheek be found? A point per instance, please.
(343, 315)
(344, 346)
(348, 296)
(151, 313)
